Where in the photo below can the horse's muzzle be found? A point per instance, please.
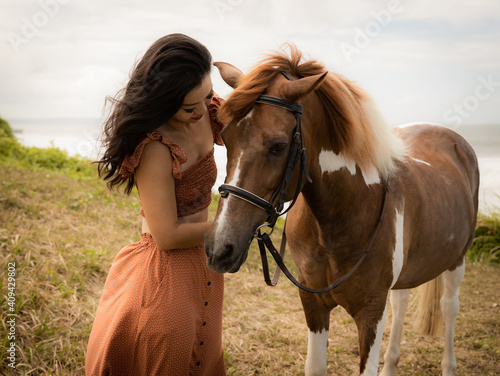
(224, 257)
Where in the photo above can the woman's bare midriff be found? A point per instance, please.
(201, 216)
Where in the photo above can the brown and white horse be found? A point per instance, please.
(428, 223)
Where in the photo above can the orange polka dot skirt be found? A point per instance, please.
(160, 314)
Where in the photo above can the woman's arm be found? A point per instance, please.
(157, 189)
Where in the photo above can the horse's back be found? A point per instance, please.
(441, 145)
(437, 188)
(445, 151)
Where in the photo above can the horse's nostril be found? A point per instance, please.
(226, 252)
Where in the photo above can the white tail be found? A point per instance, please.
(428, 318)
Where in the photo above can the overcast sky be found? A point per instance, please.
(426, 60)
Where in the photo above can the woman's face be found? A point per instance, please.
(195, 102)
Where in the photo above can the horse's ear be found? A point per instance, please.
(294, 90)
(229, 73)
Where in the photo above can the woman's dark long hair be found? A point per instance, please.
(173, 66)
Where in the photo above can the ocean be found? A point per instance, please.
(80, 137)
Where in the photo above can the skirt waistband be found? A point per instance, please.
(146, 237)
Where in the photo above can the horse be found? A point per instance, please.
(407, 194)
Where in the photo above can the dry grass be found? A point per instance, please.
(61, 233)
(265, 331)
(64, 232)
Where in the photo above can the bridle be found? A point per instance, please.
(297, 152)
(296, 155)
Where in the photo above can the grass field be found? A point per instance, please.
(62, 230)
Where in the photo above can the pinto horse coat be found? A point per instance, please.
(428, 175)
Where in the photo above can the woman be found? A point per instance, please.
(161, 308)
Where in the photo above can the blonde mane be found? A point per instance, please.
(356, 128)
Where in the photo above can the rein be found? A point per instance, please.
(297, 152)
(265, 241)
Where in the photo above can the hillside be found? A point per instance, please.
(61, 228)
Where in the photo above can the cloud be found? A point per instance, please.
(84, 51)
(462, 13)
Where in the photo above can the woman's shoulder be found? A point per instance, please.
(155, 143)
(155, 158)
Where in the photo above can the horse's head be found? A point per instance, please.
(259, 138)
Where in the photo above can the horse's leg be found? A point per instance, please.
(317, 344)
(370, 321)
(318, 322)
(399, 304)
(450, 306)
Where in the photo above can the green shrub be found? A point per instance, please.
(52, 158)
(486, 244)
(8, 146)
(5, 129)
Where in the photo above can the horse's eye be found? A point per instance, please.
(278, 148)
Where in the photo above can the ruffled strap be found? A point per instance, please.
(217, 125)
(131, 162)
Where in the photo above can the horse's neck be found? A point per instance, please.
(335, 193)
(345, 217)
(341, 197)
